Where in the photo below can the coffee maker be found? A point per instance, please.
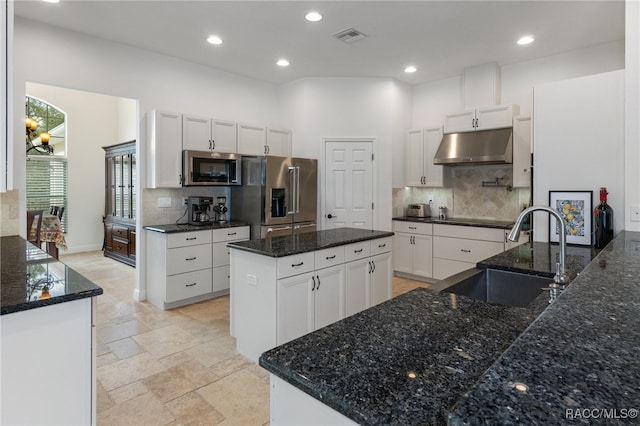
(198, 208)
(221, 210)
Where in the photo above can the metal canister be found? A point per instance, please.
(442, 212)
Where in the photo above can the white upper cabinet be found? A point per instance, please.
(279, 142)
(522, 151)
(422, 145)
(484, 118)
(208, 134)
(252, 140)
(164, 168)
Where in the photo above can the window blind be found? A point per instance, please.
(47, 184)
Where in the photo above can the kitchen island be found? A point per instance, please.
(48, 338)
(285, 287)
(433, 358)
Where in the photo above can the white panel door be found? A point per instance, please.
(348, 194)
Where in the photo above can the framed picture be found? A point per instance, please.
(576, 207)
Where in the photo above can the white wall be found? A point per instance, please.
(155, 81)
(431, 101)
(93, 121)
(579, 142)
(378, 108)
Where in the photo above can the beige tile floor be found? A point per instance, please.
(176, 367)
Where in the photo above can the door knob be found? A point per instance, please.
(329, 216)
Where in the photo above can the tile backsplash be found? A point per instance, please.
(9, 213)
(467, 198)
(155, 215)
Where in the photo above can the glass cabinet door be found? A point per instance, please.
(126, 187)
(134, 185)
(110, 190)
(117, 211)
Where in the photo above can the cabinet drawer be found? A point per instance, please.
(412, 227)
(230, 234)
(120, 232)
(465, 250)
(187, 259)
(221, 278)
(469, 232)
(381, 245)
(120, 246)
(293, 265)
(357, 251)
(220, 254)
(444, 268)
(190, 284)
(329, 257)
(184, 239)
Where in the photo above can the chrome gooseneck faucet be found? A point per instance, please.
(561, 278)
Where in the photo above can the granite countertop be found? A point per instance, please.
(580, 354)
(24, 269)
(459, 221)
(308, 241)
(360, 366)
(184, 227)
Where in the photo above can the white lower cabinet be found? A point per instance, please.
(275, 300)
(458, 248)
(308, 302)
(187, 267)
(413, 247)
(368, 278)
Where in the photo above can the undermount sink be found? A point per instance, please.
(495, 286)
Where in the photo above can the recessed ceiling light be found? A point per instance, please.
(214, 39)
(410, 69)
(51, 1)
(525, 40)
(283, 63)
(313, 16)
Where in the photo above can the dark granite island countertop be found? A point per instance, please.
(578, 359)
(460, 221)
(24, 269)
(307, 242)
(405, 361)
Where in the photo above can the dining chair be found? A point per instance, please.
(33, 215)
(57, 211)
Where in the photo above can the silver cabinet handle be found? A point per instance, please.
(190, 258)
(231, 233)
(358, 251)
(213, 144)
(192, 238)
(190, 285)
(313, 288)
(331, 257)
(373, 262)
(318, 286)
(382, 245)
(295, 265)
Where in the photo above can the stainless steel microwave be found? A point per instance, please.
(206, 168)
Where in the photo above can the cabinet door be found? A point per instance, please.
(165, 150)
(459, 122)
(252, 140)
(224, 136)
(221, 278)
(415, 158)
(494, 117)
(434, 174)
(380, 280)
(403, 249)
(422, 255)
(329, 296)
(295, 306)
(279, 142)
(196, 133)
(522, 152)
(357, 283)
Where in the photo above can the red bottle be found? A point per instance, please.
(603, 215)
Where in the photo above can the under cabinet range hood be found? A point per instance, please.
(480, 147)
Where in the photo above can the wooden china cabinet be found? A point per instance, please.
(120, 202)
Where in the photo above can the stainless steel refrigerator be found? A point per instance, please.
(278, 195)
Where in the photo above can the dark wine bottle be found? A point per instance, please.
(603, 215)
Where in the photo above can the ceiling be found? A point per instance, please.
(440, 38)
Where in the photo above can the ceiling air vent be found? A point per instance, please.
(350, 35)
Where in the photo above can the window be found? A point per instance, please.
(47, 174)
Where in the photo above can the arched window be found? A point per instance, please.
(47, 168)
